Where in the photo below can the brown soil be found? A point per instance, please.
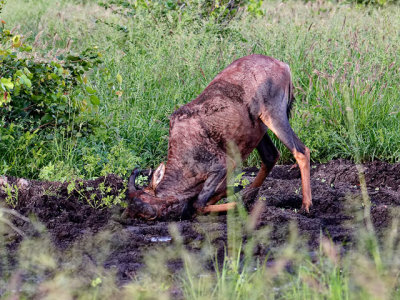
(337, 201)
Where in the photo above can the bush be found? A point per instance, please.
(40, 92)
(174, 12)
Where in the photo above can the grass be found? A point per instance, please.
(342, 66)
(369, 271)
(331, 48)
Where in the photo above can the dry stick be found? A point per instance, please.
(28, 107)
(43, 125)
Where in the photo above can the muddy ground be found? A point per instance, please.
(68, 218)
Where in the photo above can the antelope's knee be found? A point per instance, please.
(302, 157)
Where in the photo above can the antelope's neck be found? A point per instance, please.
(179, 184)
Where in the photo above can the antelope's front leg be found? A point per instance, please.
(217, 175)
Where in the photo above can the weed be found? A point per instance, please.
(11, 191)
(346, 74)
(240, 181)
(330, 48)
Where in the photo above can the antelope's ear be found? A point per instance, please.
(157, 176)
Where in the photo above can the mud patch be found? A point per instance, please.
(69, 215)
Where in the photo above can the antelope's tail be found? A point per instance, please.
(291, 99)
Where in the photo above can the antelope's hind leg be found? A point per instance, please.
(279, 125)
(269, 156)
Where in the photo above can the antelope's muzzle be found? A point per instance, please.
(138, 208)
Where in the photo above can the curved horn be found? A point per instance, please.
(151, 173)
(131, 181)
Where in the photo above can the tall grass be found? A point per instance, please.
(346, 74)
(368, 269)
(330, 48)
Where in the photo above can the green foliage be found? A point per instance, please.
(37, 93)
(58, 171)
(374, 2)
(173, 11)
(240, 181)
(365, 2)
(331, 49)
(11, 192)
(366, 269)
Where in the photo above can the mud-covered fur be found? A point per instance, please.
(252, 94)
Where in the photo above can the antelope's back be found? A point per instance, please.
(229, 108)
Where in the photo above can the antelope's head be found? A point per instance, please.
(143, 202)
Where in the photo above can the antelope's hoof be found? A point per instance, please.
(306, 207)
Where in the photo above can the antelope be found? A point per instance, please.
(253, 94)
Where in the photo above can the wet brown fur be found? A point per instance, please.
(237, 106)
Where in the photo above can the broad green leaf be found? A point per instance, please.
(16, 40)
(84, 105)
(28, 73)
(4, 98)
(73, 57)
(7, 83)
(4, 52)
(119, 78)
(95, 100)
(26, 81)
(90, 90)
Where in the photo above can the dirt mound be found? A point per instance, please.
(68, 211)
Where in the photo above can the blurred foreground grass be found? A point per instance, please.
(369, 271)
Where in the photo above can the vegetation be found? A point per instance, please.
(369, 271)
(66, 114)
(158, 58)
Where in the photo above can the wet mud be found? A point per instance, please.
(67, 211)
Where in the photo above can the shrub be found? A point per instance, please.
(173, 11)
(46, 91)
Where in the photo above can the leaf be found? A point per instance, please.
(84, 105)
(7, 83)
(96, 282)
(90, 90)
(26, 48)
(94, 100)
(73, 57)
(26, 81)
(4, 98)
(16, 41)
(119, 79)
